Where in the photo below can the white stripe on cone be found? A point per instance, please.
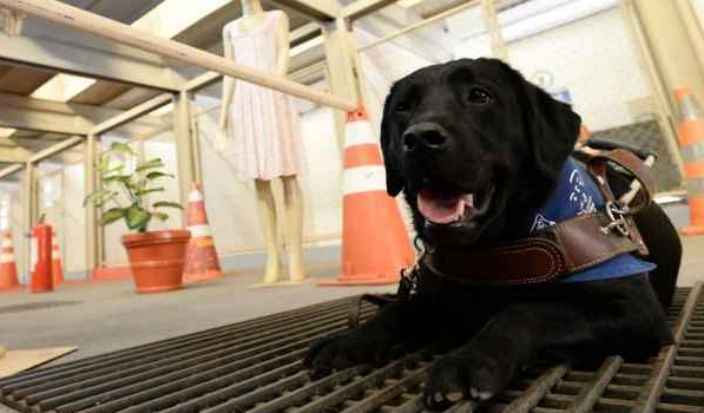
(34, 254)
(6, 243)
(7, 258)
(359, 133)
(364, 179)
(200, 231)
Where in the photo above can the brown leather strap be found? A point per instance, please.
(597, 166)
(559, 250)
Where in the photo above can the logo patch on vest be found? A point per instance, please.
(540, 222)
(582, 200)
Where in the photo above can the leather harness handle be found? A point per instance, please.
(632, 164)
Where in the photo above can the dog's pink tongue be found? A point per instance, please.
(441, 210)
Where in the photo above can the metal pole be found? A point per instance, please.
(184, 146)
(91, 185)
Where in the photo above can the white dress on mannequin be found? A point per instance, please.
(264, 129)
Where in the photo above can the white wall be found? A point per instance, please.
(699, 10)
(18, 236)
(73, 246)
(596, 58)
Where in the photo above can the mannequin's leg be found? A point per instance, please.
(294, 227)
(267, 211)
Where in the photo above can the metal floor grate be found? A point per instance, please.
(255, 366)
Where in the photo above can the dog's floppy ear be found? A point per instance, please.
(553, 128)
(394, 179)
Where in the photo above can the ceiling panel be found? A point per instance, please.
(23, 80)
(125, 11)
(100, 92)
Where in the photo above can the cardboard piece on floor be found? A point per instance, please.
(16, 361)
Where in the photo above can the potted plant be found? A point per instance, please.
(156, 257)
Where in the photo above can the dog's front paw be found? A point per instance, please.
(466, 375)
(345, 350)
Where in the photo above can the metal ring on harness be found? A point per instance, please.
(617, 214)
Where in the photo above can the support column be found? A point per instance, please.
(498, 45)
(93, 237)
(184, 147)
(197, 150)
(666, 112)
(674, 52)
(29, 213)
(343, 68)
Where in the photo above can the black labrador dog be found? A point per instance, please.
(476, 132)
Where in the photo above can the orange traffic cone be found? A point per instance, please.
(691, 137)
(57, 270)
(375, 243)
(202, 261)
(8, 268)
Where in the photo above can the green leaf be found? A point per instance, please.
(167, 204)
(162, 216)
(95, 197)
(112, 215)
(137, 218)
(105, 199)
(149, 190)
(158, 174)
(113, 178)
(104, 163)
(150, 164)
(120, 147)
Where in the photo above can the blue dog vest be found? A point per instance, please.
(576, 194)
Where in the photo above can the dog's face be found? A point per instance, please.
(472, 143)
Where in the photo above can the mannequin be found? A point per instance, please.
(265, 139)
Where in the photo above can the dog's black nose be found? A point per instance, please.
(425, 136)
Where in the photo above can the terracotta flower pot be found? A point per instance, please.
(157, 259)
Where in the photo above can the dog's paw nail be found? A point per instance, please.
(439, 397)
(480, 395)
(455, 397)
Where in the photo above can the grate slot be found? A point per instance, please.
(147, 391)
(653, 389)
(368, 382)
(536, 391)
(589, 394)
(72, 392)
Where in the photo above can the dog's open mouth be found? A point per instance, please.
(449, 208)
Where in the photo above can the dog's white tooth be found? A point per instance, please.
(474, 393)
(485, 395)
(470, 200)
(439, 397)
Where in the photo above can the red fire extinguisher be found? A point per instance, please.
(42, 280)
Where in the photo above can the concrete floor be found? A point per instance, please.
(103, 316)
(98, 317)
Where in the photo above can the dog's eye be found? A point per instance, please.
(479, 96)
(402, 107)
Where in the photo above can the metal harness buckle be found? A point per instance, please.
(617, 216)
